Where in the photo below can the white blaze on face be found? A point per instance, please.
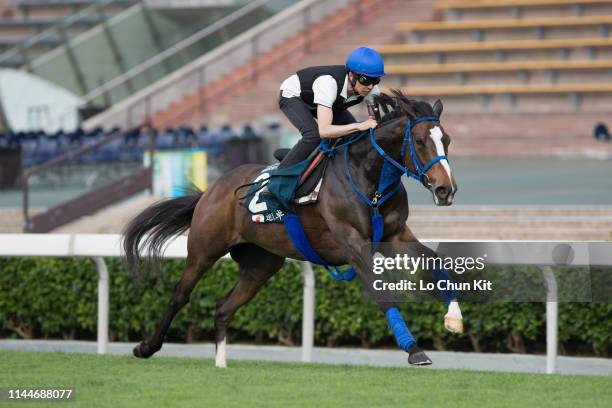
(436, 135)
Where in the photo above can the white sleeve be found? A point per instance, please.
(291, 87)
(325, 90)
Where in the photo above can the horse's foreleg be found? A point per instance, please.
(453, 320)
(256, 267)
(396, 323)
(192, 272)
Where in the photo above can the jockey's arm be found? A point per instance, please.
(325, 117)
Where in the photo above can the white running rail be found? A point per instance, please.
(98, 246)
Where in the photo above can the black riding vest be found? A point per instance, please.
(307, 76)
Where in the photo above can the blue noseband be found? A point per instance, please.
(420, 169)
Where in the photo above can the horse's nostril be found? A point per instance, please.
(442, 192)
(425, 181)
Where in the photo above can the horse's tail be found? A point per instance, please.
(155, 225)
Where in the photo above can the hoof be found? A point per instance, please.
(418, 357)
(453, 324)
(144, 350)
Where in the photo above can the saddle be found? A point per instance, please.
(311, 177)
(275, 192)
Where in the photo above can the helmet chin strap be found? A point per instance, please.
(353, 81)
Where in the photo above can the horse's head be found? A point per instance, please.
(425, 147)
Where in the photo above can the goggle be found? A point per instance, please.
(367, 81)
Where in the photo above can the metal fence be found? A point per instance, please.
(98, 246)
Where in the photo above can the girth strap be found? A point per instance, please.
(300, 242)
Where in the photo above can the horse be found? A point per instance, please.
(338, 224)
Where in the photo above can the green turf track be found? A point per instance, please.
(119, 381)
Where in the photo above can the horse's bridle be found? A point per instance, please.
(420, 170)
(392, 170)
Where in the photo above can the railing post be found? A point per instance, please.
(103, 285)
(308, 313)
(552, 319)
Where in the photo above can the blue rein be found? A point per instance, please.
(388, 182)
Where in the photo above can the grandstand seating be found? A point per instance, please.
(554, 65)
(510, 89)
(478, 9)
(461, 47)
(545, 57)
(509, 29)
(505, 24)
(37, 147)
(546, 105)
(492, 4)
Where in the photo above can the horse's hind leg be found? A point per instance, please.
(256, 266)
(197, 263)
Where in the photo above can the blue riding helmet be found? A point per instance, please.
(366, 61)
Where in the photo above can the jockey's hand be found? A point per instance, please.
(367, 125)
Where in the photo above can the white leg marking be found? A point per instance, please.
(220, 355)
(454, 311)
(453, 321)
(436, 135)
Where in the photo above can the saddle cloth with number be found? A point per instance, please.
(292, 186)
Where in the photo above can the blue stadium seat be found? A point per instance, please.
(165, 139)
(601, 132)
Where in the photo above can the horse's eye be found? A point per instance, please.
(419, 142)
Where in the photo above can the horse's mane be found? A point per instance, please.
(391, 106)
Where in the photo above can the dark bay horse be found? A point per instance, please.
(338, 225)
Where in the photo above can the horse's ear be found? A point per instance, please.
(437, 107)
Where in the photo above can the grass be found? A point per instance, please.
(121, 381)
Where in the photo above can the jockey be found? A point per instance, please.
(324, 93)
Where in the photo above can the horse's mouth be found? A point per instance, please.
(442, 196)
(441, 203)
(445, 203)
